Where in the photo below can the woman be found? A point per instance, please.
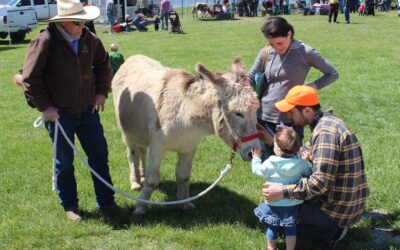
(287, 65)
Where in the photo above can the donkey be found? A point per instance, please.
(161, 109)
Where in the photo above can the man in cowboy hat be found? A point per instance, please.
(336, 192)
(68, 76)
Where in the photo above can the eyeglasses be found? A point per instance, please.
(77, 23)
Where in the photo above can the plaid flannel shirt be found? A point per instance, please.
(338, 181)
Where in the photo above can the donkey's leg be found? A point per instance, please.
(152, 178)
(142, 163)
(183, 170)
(133, 158)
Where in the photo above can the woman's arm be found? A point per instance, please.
(330, 74)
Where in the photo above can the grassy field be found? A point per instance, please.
(365, 97)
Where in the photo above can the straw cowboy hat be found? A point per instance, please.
(73, 10)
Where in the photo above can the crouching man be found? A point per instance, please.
(336, 192)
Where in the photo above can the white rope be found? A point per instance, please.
(40, 120)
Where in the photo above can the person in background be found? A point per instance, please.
(347, 8)
(255, 7)
(67, 75)
(127, 26)
(165, 9)
(144, 7)
(140, 21)
(287, 65)
(398, 9)
(336, 192)
(156, 23)
(334, 11)
(111, 14)
(116, 58)
(285, 168)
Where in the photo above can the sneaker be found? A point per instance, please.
(73, 214)
(114, 211)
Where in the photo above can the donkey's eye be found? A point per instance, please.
(239, 114)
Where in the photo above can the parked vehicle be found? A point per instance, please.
(44, 8)
(16, 21)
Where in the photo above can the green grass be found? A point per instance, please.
(365, 97)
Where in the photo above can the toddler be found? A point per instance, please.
(116, 58)
(361, 10)
(285, 168)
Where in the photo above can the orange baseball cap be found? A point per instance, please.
(300, 95)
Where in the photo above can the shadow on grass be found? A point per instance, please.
(224, 206)
(10, 47)
(219, 206)
(7, 42)
(217, 20)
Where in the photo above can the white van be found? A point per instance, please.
(16, 21)
(44, 8)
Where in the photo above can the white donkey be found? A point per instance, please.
(171, 109)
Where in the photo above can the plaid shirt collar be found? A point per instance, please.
(314, 123)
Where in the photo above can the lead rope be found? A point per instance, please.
(58, 126)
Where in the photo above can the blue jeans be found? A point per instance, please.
(315, 223)
(140, 27)
(111, 20)
(341, 6)
(89, 131)
(164, 20)
(347, 14)
(272, 232)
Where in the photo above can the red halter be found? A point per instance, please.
(245, 139)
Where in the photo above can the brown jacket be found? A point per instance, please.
(55, 76)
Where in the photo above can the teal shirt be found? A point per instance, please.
(116, 60)
(284, 171)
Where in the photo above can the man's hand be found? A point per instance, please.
(306, 156)
(99, 104)
(50, 114)
(265, 135)
(272, 191)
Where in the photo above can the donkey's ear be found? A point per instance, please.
(238, 65)
(239, 70)
(211, 76)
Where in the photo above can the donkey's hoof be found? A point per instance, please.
(135, 186)
(139, 210)
(188, 206)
